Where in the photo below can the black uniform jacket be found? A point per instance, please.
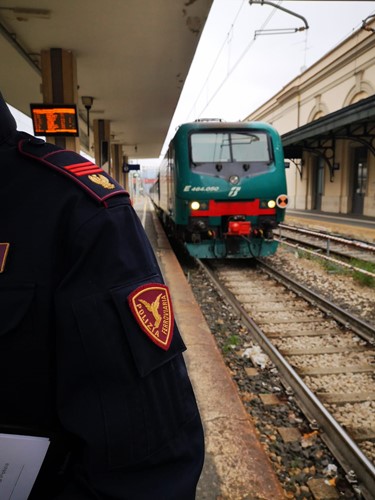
(75, 362)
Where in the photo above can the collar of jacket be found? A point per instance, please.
(7, 122)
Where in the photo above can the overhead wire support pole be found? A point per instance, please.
(282, 30)
(366, 23)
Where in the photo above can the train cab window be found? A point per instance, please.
(245, 152)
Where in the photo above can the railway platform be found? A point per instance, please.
(236, 465)
(356, 227)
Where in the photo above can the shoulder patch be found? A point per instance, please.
(93, 179)
(152, 308)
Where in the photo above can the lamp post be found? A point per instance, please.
(87, 102)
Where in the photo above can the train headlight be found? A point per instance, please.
(267, 203)
(234, 179)
(195, 205)
(271, 204)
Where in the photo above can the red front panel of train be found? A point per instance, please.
(222, 208)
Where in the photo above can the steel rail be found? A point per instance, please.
(357, 466)
(316, 253)
(339, 239)
(360, 327)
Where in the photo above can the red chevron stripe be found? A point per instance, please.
(86, 171)
(80, 169)
(78, 165)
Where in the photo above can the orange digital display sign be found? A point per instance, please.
(54, 119)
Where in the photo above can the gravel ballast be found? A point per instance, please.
(304, 458)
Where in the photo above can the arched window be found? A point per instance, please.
(358, 97)
(318, 111)
(317, 115)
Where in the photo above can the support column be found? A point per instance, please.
(102, 142)
(116, 156)
(126, 173)
(59, 86)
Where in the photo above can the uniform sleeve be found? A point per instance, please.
(123, 393)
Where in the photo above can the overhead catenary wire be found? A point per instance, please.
(262, 30)
(247, 48)
(228, 35)
(230, 71)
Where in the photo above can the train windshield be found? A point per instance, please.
(230, 146)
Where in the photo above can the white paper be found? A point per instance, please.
(20, 460)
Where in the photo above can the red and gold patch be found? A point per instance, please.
(4, 248)
(152, 308)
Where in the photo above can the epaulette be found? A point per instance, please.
(89, 176)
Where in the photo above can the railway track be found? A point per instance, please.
(324, 355)
(328, 246)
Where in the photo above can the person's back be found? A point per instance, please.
(89, 352)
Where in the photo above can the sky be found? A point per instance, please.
(235, 69)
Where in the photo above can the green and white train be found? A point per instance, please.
(221, 188)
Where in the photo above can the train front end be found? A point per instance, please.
(231, 190)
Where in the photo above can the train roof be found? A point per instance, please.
(185, 128)
(218, 124)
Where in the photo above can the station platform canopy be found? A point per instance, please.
(355, 122)
(132, 57)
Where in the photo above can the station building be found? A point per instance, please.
(326, 118)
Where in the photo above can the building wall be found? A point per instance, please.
(342, 77)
